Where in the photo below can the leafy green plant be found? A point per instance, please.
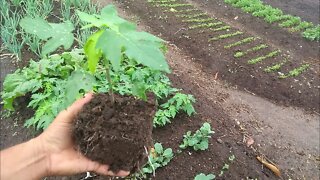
(291, 22)
(295, 72)
(226, 166)
(238, 43)
(54, 34)
(179, 102)
(199, 140)
(174, 5)
(202, 176)
(222, 28)
(261, 58)
(312, 33)
(158, 157)
(254, 49)
(224, 36)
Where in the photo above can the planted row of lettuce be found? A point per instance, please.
(275, 15)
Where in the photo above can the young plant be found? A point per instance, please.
(296, 71)
(191, 16)
(179, 102)
(222, 28)
(202, 176)
(174, 5)
(159, 157)
(261, 58)
(226, 166)
(275, 67)
(199, 140)
(117, 37)
(198, 20)
(254, 49)
(206, 25)
(291, 22)
(238, 43)
(224, 36)
(312, 33)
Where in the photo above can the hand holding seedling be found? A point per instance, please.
(52, 153)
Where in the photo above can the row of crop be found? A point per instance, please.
(274, 15)
(14, 38)
(202, 21)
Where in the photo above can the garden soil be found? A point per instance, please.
(287, 136)
(118, 134)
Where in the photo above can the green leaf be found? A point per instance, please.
(205, 177)
(158, 148)
(139, 89)
(92, 53)
(168, 152)
(78, 81)
(55, 34)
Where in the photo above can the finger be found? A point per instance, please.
(122, 173)
(69, 114)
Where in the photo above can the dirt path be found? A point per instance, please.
(308, 10)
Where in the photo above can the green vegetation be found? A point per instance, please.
(224, 36)
(199, 140)
(295, 72)
(272, 15)
(56, 81)
(275, 67)
(202, 176)
(161, 1)
(198, 20)
(254, 49)
(222, 28)
(168, 110)
(206, 25)
(238, 43)
(261, 58)
(174, 5)
(182, 10)
(158, 157)
(191, 16)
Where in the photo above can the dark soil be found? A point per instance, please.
(116, 134)
(300, 91)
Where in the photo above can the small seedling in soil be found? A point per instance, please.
(202, 176)
(199, 20)
(224, 36)
(119, 126)
(261, 58)
(206, 25)
(199, 140)
(158, 157)
(254, 49)
(275, 67)
(174, 5)
(191, 16)
(291, 22)
(238, 43)
(295, 72)
(221, 28)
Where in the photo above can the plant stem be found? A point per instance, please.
(110, 85)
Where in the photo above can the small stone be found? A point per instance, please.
(219, 141)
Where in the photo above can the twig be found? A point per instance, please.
(154, 171)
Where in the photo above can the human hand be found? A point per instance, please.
(61, 156)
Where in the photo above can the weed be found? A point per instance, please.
(224, 36)
(295, 72)
(261, 58)
(238, 43)
(199, 140)
(254, 49)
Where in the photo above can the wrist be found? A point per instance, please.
(41, 157)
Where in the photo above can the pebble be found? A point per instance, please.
(219, 141)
